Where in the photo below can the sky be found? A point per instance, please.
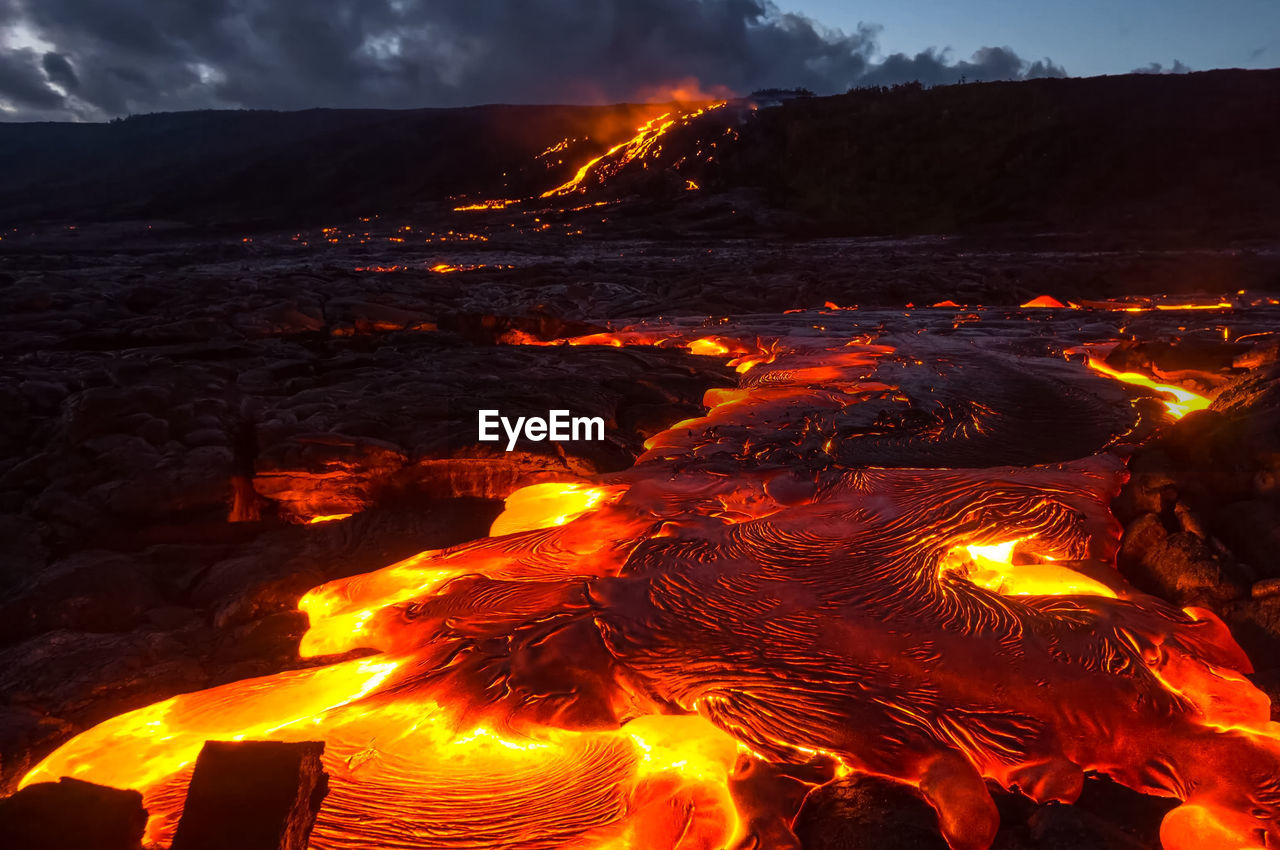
(1087, 37)
(94, 60)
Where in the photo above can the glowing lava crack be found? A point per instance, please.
(797, 582)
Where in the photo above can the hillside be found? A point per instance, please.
(1197, 153)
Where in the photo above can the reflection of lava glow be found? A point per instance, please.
(1184, 401)
(628, 661)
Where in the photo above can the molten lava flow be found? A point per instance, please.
(545, 505)
(992, 567)
(645, 143)
(1184, 401)
(780, 584)
(1217, 305)
(708, 346)
(327, 518)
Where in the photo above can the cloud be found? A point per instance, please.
(59, 70)
(23, 82)
(1156, 68)
(934, 67)
(99, 59)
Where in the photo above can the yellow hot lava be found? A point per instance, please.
(1184, 401)
(550, 504)
(991, 566)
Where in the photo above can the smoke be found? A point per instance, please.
(88, 59)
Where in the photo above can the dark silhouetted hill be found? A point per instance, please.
(1198, 153)
(283, 167)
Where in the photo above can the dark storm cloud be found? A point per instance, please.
(116, 56)
(59, 70)
(23, 82)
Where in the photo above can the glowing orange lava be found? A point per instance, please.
(643, 144)
(1184, 401)
(1044, 301)
(494, 204)
(612, 666)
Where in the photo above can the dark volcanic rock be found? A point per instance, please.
(1107, 816)
(860, 812)
(92, 591)
(25, 737)
(72, 815)
(253, 795)
(1180, 567)
(87, 678)
(1203, 512)
(1255, 624)
(1251, 529)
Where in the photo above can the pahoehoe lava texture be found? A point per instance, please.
(986, 411)
(635, 657)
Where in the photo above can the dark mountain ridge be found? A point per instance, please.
(1196, 153)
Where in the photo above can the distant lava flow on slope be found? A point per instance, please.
(644, 144)
(889, 549)
(640, 151)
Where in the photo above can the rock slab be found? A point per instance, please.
(253, 795)
(72, 815)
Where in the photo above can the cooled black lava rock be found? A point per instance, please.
(253, 795)
(72, 815)
(860, 812)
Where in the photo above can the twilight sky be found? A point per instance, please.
(98, 59)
